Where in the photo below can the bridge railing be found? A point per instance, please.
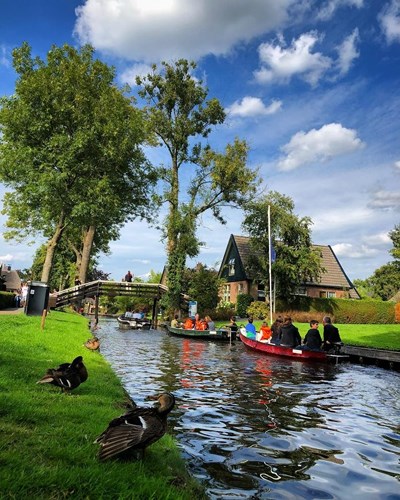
(109, 288)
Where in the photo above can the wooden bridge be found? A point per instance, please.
(95, 289)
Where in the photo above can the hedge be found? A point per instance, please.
(340, 310)
(6, 300)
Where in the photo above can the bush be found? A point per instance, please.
(243, 302)
(224, 311)
(340, 310)
(258, 310)
(397, 312)
(6, 300)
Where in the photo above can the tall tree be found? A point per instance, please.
(385, 281)
(179, 114)
(70, 149)
(296, 261)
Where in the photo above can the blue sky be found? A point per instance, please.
(313, 86)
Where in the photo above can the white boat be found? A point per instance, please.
(129, 323)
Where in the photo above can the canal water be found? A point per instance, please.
(258, 427)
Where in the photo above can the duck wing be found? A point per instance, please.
(136, 429)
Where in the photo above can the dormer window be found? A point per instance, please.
(231, 267)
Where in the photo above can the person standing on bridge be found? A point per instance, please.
(128, 277)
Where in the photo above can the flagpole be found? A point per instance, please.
(269, 264)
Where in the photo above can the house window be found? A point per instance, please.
(331, 295)
(301, 290)
(261, 292)
(231, 267)
(226, 295)
(322, 295)
(240, 288)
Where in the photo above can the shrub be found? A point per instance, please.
(340, 310)
(243, 302)
(224, 311)
(397, 312)
(258, 310)
(6, 300)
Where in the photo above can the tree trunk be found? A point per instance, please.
(51, 248)
(86, 252)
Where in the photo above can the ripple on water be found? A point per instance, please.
(251, 426)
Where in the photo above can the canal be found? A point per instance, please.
(253, 426)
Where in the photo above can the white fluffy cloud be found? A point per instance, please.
(129, 75)
(397, 164)
(385, 200)
(377, 239)
(253, 106)
(279, 63)
(348, 52)
(319, 145)
(155, 30)
(6, 258)
(328, 8)
(353, 251)
(389, 19)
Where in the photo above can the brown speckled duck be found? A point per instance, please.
(129, 434)
(68, 376)
(93, 344)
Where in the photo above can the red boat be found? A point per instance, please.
(278, 350)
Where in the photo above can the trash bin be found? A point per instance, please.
(37, 298)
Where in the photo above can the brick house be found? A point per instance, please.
(334, 283)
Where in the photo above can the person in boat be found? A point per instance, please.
(290, 336)
(331, 334)
(233, 325)
(210, 324)
(265, 332)
(200, 323)
(137, 315)
(276, 331)
(251, 332)
(128, 314)
(188, 324)
(312, 341)
(175, 323)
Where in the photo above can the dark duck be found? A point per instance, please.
(68, 376)
(128, 435)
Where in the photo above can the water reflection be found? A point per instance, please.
(251, 426)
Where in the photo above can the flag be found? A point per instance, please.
(273, 254)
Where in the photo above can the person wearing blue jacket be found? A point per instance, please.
(251, 330)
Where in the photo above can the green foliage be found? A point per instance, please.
(202, 284)
(6, 300)
(51, 450)
(258, 310)
(363, 288)
(178, 114)
(224, 311)
(242, 303)
(341, 310)
(395, 237)
(296, 261)
(385, 282)
(66, 123)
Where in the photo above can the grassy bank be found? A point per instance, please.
(376, 336)
(46, 438)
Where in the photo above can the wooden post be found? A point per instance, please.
(44, 314)
(96, 309)
(154, 313)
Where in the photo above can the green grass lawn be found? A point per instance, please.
(377, 336)
(46, 437)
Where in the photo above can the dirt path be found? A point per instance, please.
(12, 310)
